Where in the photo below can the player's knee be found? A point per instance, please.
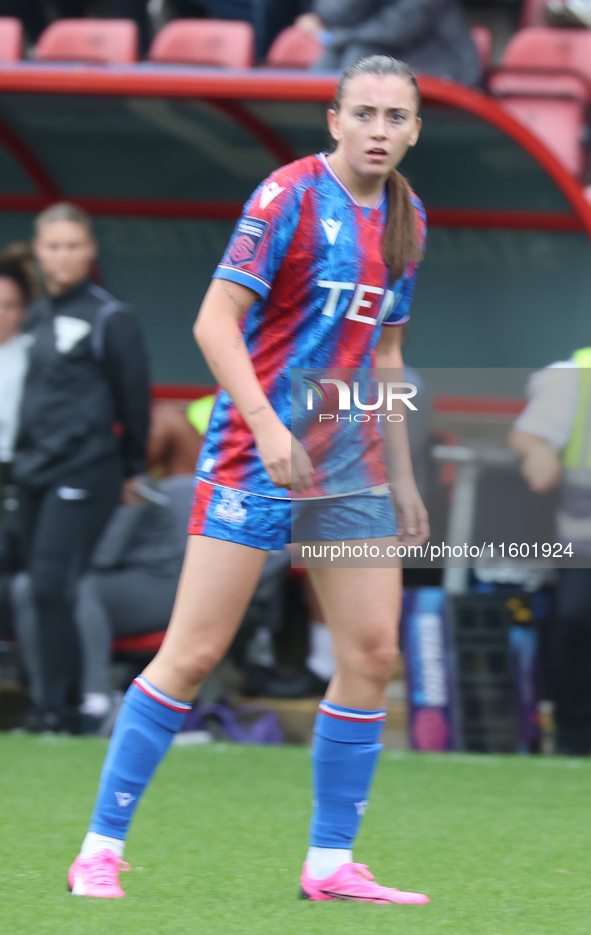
(192, 668)
(379, 658)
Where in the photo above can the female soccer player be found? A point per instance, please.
(318, 241)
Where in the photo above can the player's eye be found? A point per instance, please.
(398, 118)
(362, 114)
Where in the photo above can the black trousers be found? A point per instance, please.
(60, 524)
(572, 660)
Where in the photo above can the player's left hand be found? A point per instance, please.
(413, 519)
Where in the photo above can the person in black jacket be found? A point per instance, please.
(431, 36)
(81, 441)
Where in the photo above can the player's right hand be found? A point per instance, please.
(285, 460)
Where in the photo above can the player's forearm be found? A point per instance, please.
(525, 443)
(218, 334)
(398, 459)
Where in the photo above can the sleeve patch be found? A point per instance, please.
(247, 240)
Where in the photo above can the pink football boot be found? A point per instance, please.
(97, 875)
(354, 881)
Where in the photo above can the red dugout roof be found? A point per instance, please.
(166, 156)
(226, 90)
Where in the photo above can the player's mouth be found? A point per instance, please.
(376, 154)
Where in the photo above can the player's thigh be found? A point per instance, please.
(361, 607)
(216, 584)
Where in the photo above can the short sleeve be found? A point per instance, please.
(403, 291)
(552, 401)
(262, 235)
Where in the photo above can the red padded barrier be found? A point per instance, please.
(225, 43)
(96, 41)
(143, 643)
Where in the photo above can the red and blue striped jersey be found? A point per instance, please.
(314, 256)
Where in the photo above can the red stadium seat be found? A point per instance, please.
(293, 48)
(11, 39)
(483, 40)
(543, 47)
(143, 643)
(221, 43)
(96, 41)
(545, 81)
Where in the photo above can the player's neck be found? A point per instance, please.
(365, 191)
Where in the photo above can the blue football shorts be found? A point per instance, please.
(269, 523)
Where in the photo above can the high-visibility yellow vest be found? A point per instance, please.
(577, 453)
(199, 411)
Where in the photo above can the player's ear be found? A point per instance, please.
(334, 125)
(416, 132)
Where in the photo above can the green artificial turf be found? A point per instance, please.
(500, 844)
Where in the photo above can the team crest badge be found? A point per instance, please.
(247, 240)
(230, 509)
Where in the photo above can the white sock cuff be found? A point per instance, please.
(93, 843)
(324, 861)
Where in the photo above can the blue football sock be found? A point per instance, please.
(345, 753)
(144, 731)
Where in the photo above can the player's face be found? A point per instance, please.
(66, 251)
(12, 309)
(376, 124)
